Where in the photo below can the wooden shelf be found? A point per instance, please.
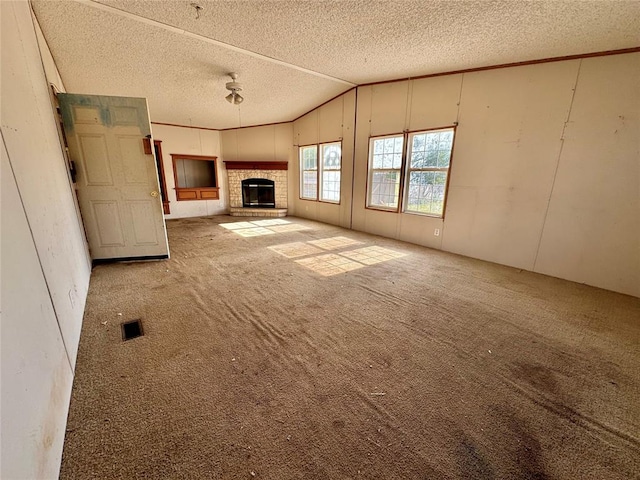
(256, 165)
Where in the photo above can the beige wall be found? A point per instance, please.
(541, 179)
(264, 143)
(592, 229)
(506, 152)
(329, 123)
(190, 141)
(45, 267)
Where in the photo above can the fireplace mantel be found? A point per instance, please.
(233, 165)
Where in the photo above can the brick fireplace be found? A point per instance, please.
(273, 171)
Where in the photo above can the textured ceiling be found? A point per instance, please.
(293, 55)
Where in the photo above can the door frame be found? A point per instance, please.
(157, 151)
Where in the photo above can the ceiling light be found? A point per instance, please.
(234, 97)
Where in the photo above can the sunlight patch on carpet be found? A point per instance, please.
(329, 264)
(295, 249)
(372, 255)
(237, 225)
(288, 228)
(254, 232)
(257, 228)
(334, 243)
(337, 262)
(270, 222)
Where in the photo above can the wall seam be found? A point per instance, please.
(555, 173)
(407, 113)
(353, 156)
(44, 276)
(407, 127)
(443, 227)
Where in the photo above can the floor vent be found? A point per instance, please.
(132, 329)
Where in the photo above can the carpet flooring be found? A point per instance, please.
(290, 349)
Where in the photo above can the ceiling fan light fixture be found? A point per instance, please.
(234, 97)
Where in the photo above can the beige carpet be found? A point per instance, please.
(289, 349)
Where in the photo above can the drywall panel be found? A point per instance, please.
(388, 111)
(283, 140)
(307, 209)
(306, 130)
(33, 145)
(36, 374)
(330, 122)
(360, 156)
(191, 141)
(229, 145)
(265, 143)
(421, 230)
(261, 143)
(330, 117)
(255, 143)
(592, 231)
(434, 102)
(348, 154)
(327, 213)
(505, 155)
(386, 224)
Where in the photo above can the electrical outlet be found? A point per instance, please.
(436, 232)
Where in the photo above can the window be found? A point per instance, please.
(385, 166)
(195, 177)
(320, 179)
(330, 172)
(426, 169)
(309, 172)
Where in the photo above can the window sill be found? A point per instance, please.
(382, 209)
(432, 215)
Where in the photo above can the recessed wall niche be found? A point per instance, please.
(196, 177)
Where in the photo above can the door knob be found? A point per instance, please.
(154, 194)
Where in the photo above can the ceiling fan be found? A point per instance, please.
(234, 97)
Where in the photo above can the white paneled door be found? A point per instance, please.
(117, 181)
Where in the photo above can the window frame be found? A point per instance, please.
(319, 173)
(321, 170)
(302, 170)
(370, 171)
(408, 170)
(405, 171)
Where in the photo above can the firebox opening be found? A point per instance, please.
(258, 193)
